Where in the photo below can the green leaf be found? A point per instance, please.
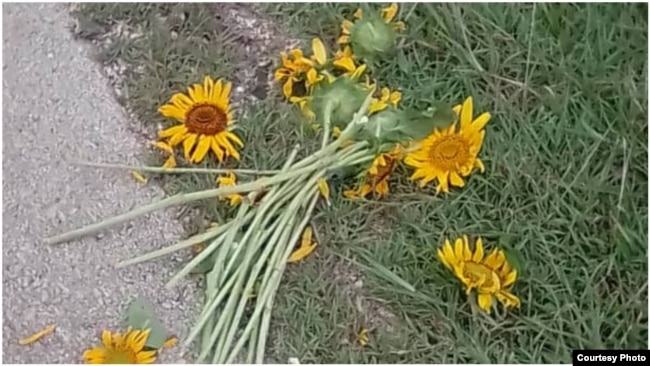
(141, 315)
(418, 125)
(205, 266)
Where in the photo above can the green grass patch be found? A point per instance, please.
(564, 192)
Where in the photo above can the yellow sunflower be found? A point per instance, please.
(127, 348)
(388, 13)
(206, 120)
(229, 180)
(387, 97)
(294, 67)
(452, 153)
(491, 276)
(376, 180)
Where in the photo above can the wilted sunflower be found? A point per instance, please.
(127, 348)
(294, 68)
(387, 97)
(491, 276)
(206, 120)
(452, 153)
(376, 179)
(229, 180)
(387, 13)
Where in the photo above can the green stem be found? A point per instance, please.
(284, 242)
(274, 283)
(144, 168)
(327, 117)
(280, 237)
(196, 239)
(185, 198)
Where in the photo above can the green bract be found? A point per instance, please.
(338, 101)
(395, 126)
(372, 38)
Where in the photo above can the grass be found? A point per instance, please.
(564, 192)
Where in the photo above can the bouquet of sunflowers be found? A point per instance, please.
(360, 125)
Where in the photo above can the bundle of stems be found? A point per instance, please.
(250, 251)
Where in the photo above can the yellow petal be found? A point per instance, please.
(320, 55)
(172, 111)
(307, 235)
(466, 113)
(301, 253)
(170, 162)
(178, 138)
(336, 132)
(139, 339)
(510, 278)
(399, 26)
(171, 131)
(359, 70)
(343, 40)
(459, 250)
(208, 86)
(287, 88)
(467, 252)
(456, 180)
(441, 257)
(169, 343)
(225, 93)
(345, 63)
(107, 339)
(36, 336)
(202, 148)
(358, 14)
(389, 13)
(324, 189)
(450, 256)
(188, 144)
(163, 146)
(363, 337)
(479, 164)
(234, 138)
(508, 299)
(146, 357)
(139, 177)
(481, 121)
(216, 149)
(351, 193)
(485, 302)
(478, 251)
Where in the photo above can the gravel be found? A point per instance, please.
(58, 108)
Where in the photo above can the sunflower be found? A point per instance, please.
(387, 97)
(229, 180)
(205, 119)
(127, 348)
(387, 13)
(294, 67)
(450, 154)
(376, 177)
(491, 276)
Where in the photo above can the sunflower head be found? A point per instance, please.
(373, 35)
(339, 99)
(449, 154)
(117, 348)
(375, 178)
(491, 276)
(205, 121)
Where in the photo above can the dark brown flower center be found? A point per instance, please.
(450, 152)
(206, 119)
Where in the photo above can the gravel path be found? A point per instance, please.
(57, 107)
